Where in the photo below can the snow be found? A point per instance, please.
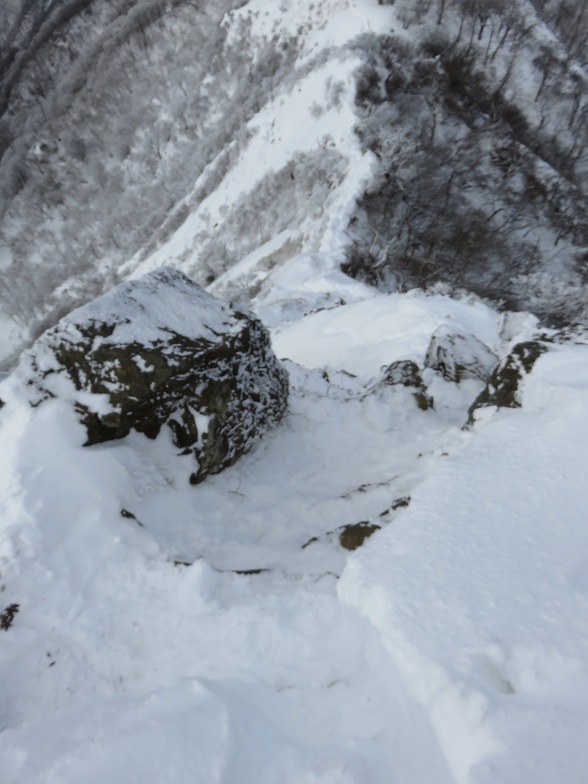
(362, 336)
(220, 633)
(148, 309)
(479, 590)
(150, 646)
(274, 142)
(10, 337)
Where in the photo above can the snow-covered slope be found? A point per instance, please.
(227, 633)
(220, 633)
(480, 592)
(237, 128)
(413, 142)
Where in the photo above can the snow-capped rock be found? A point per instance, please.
(457, 356)
(159, 351)
(406, 373)
(502, 389)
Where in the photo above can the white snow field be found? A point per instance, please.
(220, 633)
(450, 648)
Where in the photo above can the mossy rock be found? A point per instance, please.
(160, 351)
(502, 389)
(406, 373)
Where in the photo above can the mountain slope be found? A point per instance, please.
(477, 115)
(194, 139)
(416, 143)
(222, 633)
(392, 586)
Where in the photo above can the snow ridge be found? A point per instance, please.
(226, 633)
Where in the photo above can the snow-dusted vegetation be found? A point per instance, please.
(477, 115)
(358, 554)
(467, 163)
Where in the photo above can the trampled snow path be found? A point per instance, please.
(270, 662)
(450, 649)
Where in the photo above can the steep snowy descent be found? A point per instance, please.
(203, 637)
(479, 591)
(225, 633)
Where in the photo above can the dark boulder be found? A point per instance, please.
(457, 356)
(160, 351)
(502, 389)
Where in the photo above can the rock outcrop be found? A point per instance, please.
(502, 389)
(160, 351)
(457, 356)
(406, 373)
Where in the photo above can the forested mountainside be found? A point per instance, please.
(119, 119)
(479, 123)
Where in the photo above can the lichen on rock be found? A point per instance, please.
(502, 389)
(160, 351)
(406, 373)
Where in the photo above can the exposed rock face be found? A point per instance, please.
(353, 536)
(457, 356)
(161, 351)
(502, 389)
(407, 373)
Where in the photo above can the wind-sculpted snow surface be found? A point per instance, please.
(480, 591)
